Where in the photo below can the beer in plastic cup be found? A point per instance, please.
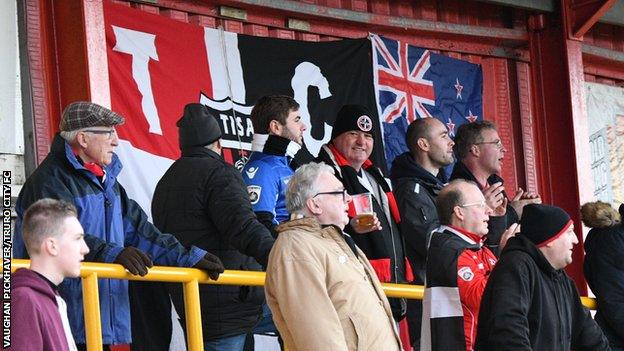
(363, 209)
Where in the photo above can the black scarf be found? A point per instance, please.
(298, 155)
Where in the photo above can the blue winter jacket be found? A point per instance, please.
(267, 178)
(112, 221)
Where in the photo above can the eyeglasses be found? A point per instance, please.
(480, 204)
(342, 192)
(108, 133)
(497, 143)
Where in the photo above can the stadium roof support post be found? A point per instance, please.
(560, 122)
(581, 15)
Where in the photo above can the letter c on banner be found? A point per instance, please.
(308, 74)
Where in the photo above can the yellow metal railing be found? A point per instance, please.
(191, 278)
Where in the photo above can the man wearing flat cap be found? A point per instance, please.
(348, 152)
(529, 302)
(203, 201)
(82, 169)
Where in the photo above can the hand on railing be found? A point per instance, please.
(211, 264)
(134, 260)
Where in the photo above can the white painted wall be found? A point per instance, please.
(11, 121)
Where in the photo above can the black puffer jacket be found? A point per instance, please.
(529, 305)
(604, 267)
(415, 190)
(203, 201)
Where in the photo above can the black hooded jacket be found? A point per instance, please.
(604, 270)
(415, 190)
(529, 305)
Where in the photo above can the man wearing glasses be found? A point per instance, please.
(82, 169)
(480, 153)
(458, 267)
(323, 292)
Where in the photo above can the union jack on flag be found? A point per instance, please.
(412, 82)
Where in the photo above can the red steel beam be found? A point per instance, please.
(581, 15)
(603, 62)
(39, 61)
(339, 22)
(562, 142)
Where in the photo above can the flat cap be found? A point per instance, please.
(85, 114)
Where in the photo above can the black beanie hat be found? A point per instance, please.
(353, 117)
(543, 223)
(197, 127)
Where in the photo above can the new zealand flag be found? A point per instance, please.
(411, 82)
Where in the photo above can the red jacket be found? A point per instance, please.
(473, 271)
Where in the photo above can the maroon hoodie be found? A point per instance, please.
(35, 317)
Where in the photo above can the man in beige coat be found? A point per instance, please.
(322, 290)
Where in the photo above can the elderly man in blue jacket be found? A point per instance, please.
(82, 169)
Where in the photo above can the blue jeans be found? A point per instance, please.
(265, 324)
(232, 343)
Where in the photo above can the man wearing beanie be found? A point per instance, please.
(457, 269)
(82, 169)
(530, 303)
(202, 200)
(348, 153)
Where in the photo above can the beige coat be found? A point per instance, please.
(322, 296)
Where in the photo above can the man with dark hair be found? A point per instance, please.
(82, 169)
(321, 288)
(55, 242)
(277, 149)
(480, 154)
(530, 303)
(458, 266)
(348, 152)
(202, 200)
(417, 180)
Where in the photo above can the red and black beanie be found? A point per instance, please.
(543, 223)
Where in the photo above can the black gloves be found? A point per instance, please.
(137, 262)
(211, 264)
(134, 260)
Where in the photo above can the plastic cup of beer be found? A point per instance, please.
(364, 213)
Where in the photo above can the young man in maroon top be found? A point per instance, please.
(55, 243)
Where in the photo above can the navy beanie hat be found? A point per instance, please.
(197, 127)
(543, 223)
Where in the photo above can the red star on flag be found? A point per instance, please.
(471, 118)
(451, 127)
(242, 153)
(459, 88)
